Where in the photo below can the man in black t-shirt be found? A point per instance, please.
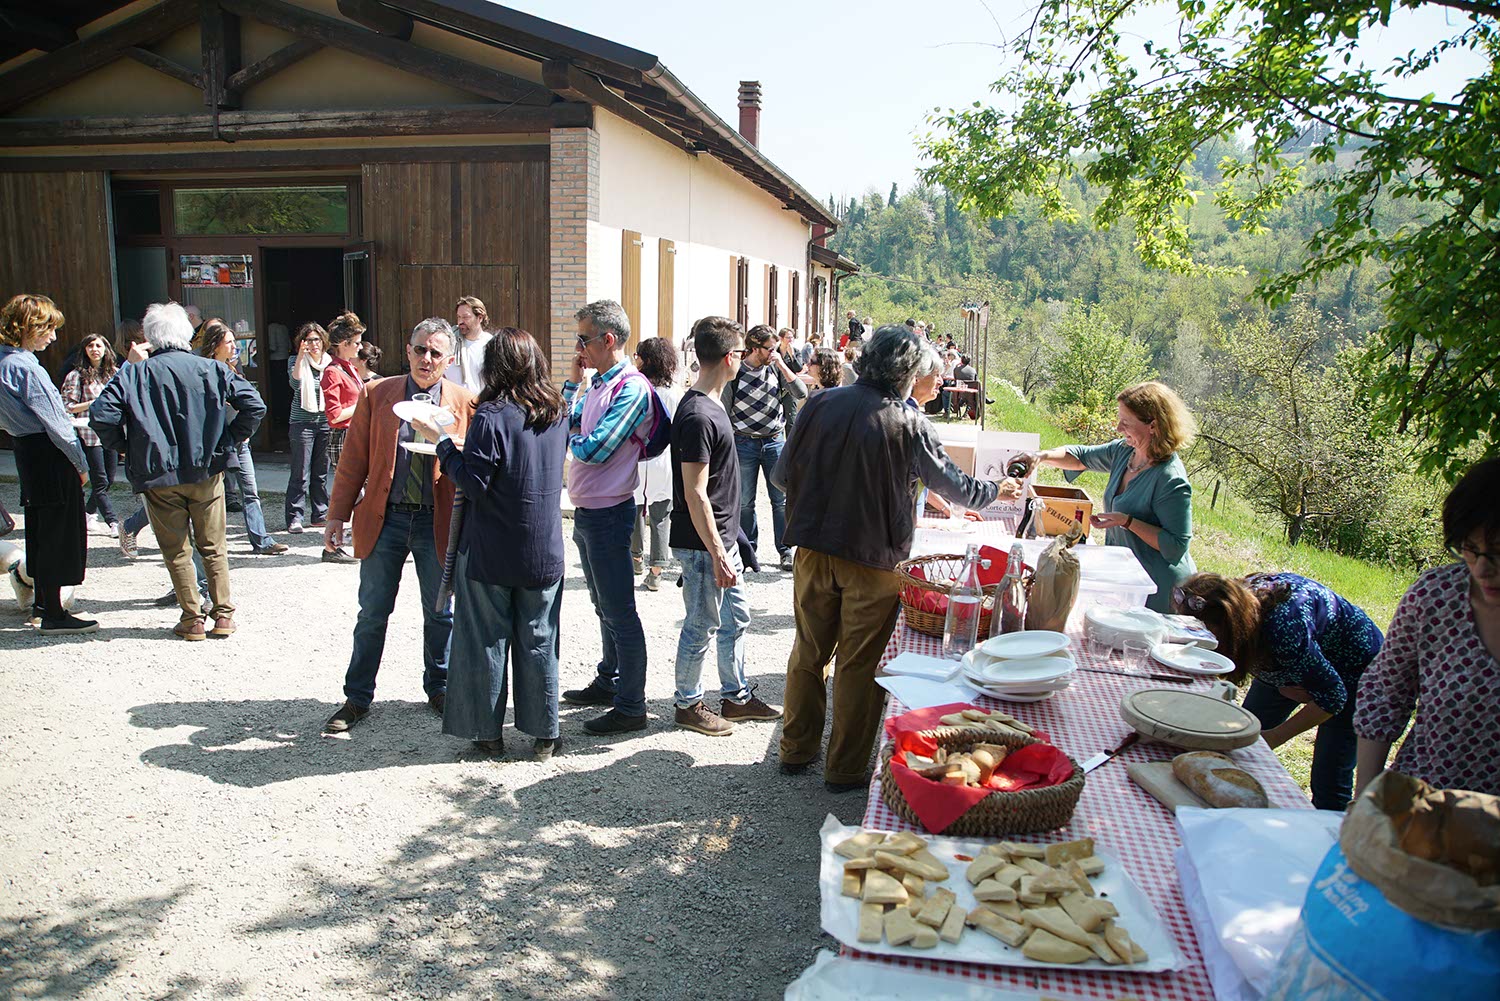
(705, 524)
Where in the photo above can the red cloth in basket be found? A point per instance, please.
(937, 602)
(937, 805)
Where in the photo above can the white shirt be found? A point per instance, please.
(468, 364)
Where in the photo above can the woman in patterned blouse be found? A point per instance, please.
(1443, 654)
(1304, 646)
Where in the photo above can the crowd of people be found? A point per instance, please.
(459, 465)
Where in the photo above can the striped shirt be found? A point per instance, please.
(629, 409)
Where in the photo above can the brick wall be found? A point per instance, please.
(574, 195)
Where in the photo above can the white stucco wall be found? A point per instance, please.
(708, 210)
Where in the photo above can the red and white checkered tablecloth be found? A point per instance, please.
(1120, 816)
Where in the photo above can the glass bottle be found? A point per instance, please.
(1010, 597)
(965, 600)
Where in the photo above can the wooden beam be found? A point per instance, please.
(450, 70)
(35, 31)
(572, 84)
(239, 82)
(230, 157)
(219, 37)
(381, 20)
(467, 119)
(164, 65)
(45, 73)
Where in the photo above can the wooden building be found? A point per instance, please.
(274, 161)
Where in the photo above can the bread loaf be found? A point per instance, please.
(1217, 781)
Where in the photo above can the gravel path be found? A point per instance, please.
(175, 825)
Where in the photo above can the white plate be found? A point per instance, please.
(840, 914)
(1011, 673)
(1116, 625)
(1026, 644)
(420, 447)
(405, 410)
(82, 423)
(1191, 659)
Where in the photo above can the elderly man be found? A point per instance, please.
(862, 439)
(167, 413)
(407, 504)
(608, 422)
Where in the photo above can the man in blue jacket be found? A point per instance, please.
(169, 413)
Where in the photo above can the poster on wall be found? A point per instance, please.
(216, 271)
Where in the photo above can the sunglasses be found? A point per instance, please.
(583, 341)
(427, 352)
(1192, 602)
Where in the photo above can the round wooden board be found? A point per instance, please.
(1189, 719)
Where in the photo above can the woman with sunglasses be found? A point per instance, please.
(1306, 649)
(1441, 658)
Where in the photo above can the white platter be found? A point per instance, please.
(1191, 659)
(405, 410)
(840, 914)
(420, 447)
(1026, 644)
(1115, 626)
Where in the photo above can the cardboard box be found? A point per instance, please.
(1065, 505)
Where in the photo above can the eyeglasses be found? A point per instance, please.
(736, 353)
(1472, 556)
(583, 341)
(427, 352)
(1192, 602)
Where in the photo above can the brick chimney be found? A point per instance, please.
(750, 111)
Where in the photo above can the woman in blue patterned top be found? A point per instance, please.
(1304, 646)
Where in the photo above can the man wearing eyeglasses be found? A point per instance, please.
(405, 511)
(609, 421)
(760, 401)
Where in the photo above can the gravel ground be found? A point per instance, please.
(175, 825)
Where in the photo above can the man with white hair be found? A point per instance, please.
(406, 511)
(195, 318)
(167, 413)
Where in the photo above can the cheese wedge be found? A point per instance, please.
(903, 843)
(1006, 908)
(992, 889)
(1056, 920)
(921, 863)
(1033, 866)
(1066, 851)
(861, 845)
(1102, 950)
(1080, 878)
(883, 888)
(926, 938)
(953, 925)
(1054, 881)
(1029, 896)
(863, 862)
(1122, 944)
(1018, 849)
(995, 850)
(1045, 947)
(1089, 912)
(915, 885)
(998, 926)
(871, 922)
(854, 884)
(935, 911)
(900, 927)
(1091, 866)
(983, 868)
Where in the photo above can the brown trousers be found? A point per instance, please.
(197, 508)
(846, 610)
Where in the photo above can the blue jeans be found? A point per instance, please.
(405, 533)
(757, 454)
(493, 625)
(309, 471)
(137, 521)
(243, 476)
(1332, 778)
(102, 463)
(603, 539)
(711, 613)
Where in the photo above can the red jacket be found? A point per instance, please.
(341, 390)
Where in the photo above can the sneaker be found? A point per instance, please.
(294, 527)
(544, 748)
(348, 715)
(167, 600)
(701, 719)
(751, 709)
(615, 721)
(437, 702)
(67, 625)
(223, 627)
(274, 549)
(127, 544)
(639, 564)
(112, 530)
(653, 582)
(189, 629)
(592, 695)
(786, 562)
(337, 556)
(318, 522)
(94, 524)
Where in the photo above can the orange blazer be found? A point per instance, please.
(369, 461)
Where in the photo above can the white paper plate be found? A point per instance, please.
(1025, 645)
(1011, 673)
(840, 914)
(1191, 659)
(407, 409)
(420, 447)
(1117, 625)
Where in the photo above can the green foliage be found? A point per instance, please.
(1095, 360)
(1153, 115)
(262, 211)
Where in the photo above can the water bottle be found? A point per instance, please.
(965, 599)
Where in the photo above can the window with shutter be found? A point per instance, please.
(630, 283)
(772, 312)
(742, 293)
(793, 299)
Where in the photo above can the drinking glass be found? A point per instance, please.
(1137, 654)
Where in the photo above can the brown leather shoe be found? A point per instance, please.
(223, 626)
(701, 719)
(437, 702)
(189, 629)
(751, 709)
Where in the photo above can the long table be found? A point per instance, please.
(1122, 819)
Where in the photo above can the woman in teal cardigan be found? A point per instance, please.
(1148, 501)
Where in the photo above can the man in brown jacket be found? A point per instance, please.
(405, 511)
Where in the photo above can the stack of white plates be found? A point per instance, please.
(1190, 659)
(1118, 626)
(1027, 666)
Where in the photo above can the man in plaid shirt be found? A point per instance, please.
(754, 400)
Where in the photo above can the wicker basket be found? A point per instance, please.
(1026, 811)
(914, 587)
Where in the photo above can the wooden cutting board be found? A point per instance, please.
(1156, 778)
(1191, 720)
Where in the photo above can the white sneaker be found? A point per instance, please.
(95, 524)
(295, 528)
(113, 531)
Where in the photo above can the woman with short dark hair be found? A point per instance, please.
(1441, 659)
(507, 584)
(657, 360)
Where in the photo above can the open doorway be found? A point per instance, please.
(303, 284)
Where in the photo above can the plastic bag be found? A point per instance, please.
(1053, 587)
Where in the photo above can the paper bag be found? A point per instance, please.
(1053, 588)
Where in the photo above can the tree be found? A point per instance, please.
(892, 199)
(1267, 70)
(1096, 360)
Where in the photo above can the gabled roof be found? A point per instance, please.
(832, 259)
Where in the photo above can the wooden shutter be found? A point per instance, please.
(742, 292)
(772, 314)
(793, 296)
(630, 283)
(666, 287)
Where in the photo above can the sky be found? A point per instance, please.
(846, 87)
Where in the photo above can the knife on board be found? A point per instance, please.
(1104, 756)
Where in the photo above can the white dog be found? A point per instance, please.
(13, 562)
